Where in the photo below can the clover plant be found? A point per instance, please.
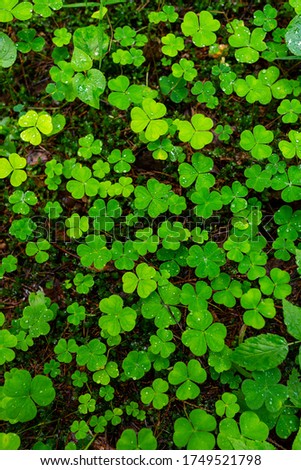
(150, 176)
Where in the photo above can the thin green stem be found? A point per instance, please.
(82, 5)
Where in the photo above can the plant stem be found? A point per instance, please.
(82, 5)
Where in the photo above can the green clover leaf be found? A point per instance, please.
(136, 364)
(188, 376)
(142, 281)
(227, 290)
(94, 252)
(36, 315)
(13, 166)
(201, 27)
(161, 306)
(197, 172)
(227, 405)
(92, 355)
(202, 333)
(172, 44)
(207, 259)
(154, 197)
(256, 309)
(197, 132)
(144, 440)
(21, 394)
(156, 394)
(196, 431)
(256, 142)
(117, 318)
(64, 349)
(265, 389)
(148, 118)
(37, 123)
(83, 183)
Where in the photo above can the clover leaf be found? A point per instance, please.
(161, 306)
(290, 183)
(289, 110)
(103, 214)
(61, 37)
(248, 44)
(195, 297)
(36, 315)
(197, 172)
(292, 148)
(77, 313)
(172, 44)
(197, 132)
(175, 87)
(257, 309)
(207, 259)
(64, 349)
(117, 318)
(136, 364)
(257, 178)
(143, 281)
(89, 146)
(28, 42)
(154, 197)
(205, 92)
(206, 202)
(195, 432)
(188, 376)
(277, 284)
(94, 252)
(202, 333)
(149, 118)
(22, 200)
(161, 343)
(83, 183)
(266, 18)
(37, 124)
(121, 160)
(38, 249)
(156, 394)
(227, 405)
(167, 14)
(201, 27)
(92, 355)
(124, 255)
(144, 440)
(256, 142)
(13, 166)
(250, 429)
(185, 68)
(172, 234)
(227, 290)
(265, 389)
(9, 441)
(145, 241)
(21, 393)
(264, 87)
(7, 341)
(11, 9)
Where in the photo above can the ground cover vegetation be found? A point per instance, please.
(151, 256)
